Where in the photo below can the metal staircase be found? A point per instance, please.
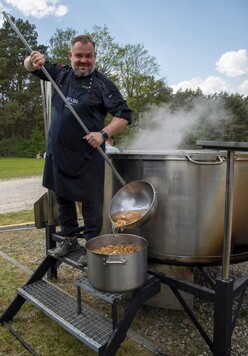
(87, 324)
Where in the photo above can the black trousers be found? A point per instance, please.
(68, 220)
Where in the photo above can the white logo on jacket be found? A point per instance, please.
(72, 101)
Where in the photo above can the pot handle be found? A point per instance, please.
(220, 161)
(108, 261)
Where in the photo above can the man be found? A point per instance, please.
(74, 168)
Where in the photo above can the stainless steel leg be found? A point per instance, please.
(228, 215)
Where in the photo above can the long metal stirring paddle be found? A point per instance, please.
(81, 123)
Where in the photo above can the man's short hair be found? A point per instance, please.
(84, 39)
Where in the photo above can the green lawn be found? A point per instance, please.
(17, 217)
(17, 168)
(20, 167)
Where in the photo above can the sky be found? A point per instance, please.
(196, 43)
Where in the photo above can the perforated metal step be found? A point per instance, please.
(90, 327)
(72, 257)
(107, 296)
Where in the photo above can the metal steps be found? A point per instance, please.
(72, 257)
(107, 296)
(101, 334)
(112, 298)
(89, 326)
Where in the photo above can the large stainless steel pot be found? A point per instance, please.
(188, 225)
(116, 273)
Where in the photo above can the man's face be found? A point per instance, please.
(82, 57)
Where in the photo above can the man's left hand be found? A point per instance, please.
(95, 139)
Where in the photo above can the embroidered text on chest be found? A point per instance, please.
(72, 101)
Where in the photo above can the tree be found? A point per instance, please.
(135, 72)
(19, 92)
(237, 124)
(60, 45)
(106, 50)
(221, 117)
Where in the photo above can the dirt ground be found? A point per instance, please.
(20, 194)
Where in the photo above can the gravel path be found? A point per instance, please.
(20, 194)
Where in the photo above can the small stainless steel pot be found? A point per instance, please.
(116, 273)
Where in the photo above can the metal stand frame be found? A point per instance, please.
(223, 296)
(50, 243)
(226, 294)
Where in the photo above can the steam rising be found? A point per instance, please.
(165, 129)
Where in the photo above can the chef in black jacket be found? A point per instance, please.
(74, 168)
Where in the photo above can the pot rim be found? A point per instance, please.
(139, 238)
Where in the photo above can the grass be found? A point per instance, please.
(17, 217)
(40, 332)
(20, 167)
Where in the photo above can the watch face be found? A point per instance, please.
(104, 134)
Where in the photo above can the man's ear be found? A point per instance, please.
(69, 54)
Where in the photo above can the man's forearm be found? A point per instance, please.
(116, 125)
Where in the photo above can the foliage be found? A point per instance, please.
(34, 144)
(20, 102)
(106, 50)
(135, 73)
(237, 127)
(130, 66)
(17, 146)
(11, 146)
(60, 45)
(218, 117)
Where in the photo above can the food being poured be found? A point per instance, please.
(124, 218)
(117, 249)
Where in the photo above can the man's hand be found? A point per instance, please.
(95, 139)
(35, 61)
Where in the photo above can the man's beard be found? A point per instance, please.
(78, 73)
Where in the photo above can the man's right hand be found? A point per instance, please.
(35, 61)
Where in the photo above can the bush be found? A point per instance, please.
(36, 143)
(17, 146)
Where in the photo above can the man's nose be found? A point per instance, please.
(83, 60)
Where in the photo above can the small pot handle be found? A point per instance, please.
(220, 161)
(108, 261)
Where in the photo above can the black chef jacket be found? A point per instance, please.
(73, 170)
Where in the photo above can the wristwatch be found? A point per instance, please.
(104, 135)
